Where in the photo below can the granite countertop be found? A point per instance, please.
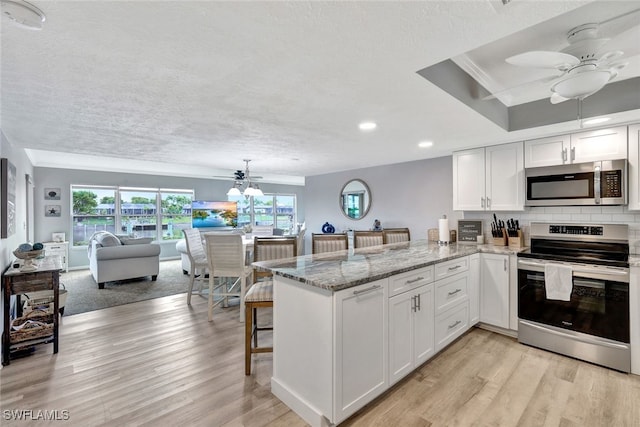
(340, 270)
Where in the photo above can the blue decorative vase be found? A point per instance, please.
(328, 228)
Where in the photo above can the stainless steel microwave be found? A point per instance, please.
(580, 184)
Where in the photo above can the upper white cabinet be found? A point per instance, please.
(634, 167)
(489, 179)
(589, 146)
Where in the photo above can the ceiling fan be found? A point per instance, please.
(243, 182)
(584, 68)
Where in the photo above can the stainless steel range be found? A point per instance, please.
(573, 292)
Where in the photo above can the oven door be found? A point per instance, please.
(599, 303)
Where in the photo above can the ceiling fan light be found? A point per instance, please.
(234, 191)
(580, 85)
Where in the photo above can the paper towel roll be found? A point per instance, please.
(443, 230)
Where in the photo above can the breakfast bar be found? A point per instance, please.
(349, 324)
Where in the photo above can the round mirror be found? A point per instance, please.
(355, 199)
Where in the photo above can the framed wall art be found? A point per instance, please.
(52, 194)
(52, 210)
(7, 198)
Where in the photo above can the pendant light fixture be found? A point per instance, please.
(243, 185)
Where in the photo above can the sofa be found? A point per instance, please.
(114, 257)
(181, 247)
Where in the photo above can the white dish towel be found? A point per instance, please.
(558, 281)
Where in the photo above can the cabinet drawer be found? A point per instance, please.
(451, 324)
(31, 282)
(449, 268)
(410, 280)
(451, 291)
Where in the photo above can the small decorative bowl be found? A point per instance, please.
(28, 255)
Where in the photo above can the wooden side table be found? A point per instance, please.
(15, 282)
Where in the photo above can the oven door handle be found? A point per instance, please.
(589, 340)
(608, 271)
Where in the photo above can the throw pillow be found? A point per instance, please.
(107, 239)
(136, 240)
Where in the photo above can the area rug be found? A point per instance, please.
(83, 294)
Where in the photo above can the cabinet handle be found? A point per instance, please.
(456, 323)
(505, 264)
(573, 153)
(417, 279)
(482, 202)
(372, 288)
(454, 292)
(455, 268)
(419, 302)
(564, 155)
(413, 303)
(488, 203)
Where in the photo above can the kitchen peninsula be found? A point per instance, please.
(349, 324)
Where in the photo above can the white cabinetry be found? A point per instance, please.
(361, 346)
(589, 146)
(60, 249)
(410, 322)
(494, 289)
(451, 301)
(634, 167)
(474, 289)
(490, 178)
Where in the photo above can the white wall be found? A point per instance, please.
(412, 194)
(23, 167)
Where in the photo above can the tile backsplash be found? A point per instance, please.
(568, 214)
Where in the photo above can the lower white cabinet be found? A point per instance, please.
(474, 289)
(494, 289)
(411, 317)
(361, 346)
(451, 324)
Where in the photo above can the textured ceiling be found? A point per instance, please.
(192, 88)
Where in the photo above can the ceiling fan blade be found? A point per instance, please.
(610, 56)
(524, 85)
(543, 59)
(556, 99)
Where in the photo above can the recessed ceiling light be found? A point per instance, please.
(425, 144)
(367, 126)
(596, 120)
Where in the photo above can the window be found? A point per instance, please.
(276, 210)
(124, 210)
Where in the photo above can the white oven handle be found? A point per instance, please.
(577, 269)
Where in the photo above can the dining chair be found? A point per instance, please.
(198, 260)
(395, 235)
(363, 239)
(260, 295)
(321, 243)
(226, 255)
(300, 241)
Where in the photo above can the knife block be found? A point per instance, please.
(501, 241)
(517, 242)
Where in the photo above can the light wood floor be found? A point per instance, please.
(160, 363)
